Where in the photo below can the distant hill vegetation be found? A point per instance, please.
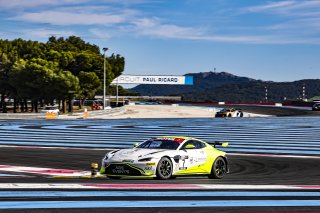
(223, 86)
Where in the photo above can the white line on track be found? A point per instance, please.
(43, 171)
(51, 147)
(155, 186)
(275, 156)
(107, 150)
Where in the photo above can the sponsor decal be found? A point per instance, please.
(120, 170)
(191, 160)
(151, 164)
(148, 168)
(153, 79)
(180, 140)
(167, 139)
(182, 168)
(202, 159)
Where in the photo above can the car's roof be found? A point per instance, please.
(178, 137)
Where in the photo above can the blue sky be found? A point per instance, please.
(276, 40)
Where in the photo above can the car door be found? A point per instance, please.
(192, 158)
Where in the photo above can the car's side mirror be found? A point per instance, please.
(136, 144)
(225, 144)
(189, 146)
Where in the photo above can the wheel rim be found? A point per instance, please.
(165, 168)
(220, 167)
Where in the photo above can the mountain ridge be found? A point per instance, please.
(224, 86)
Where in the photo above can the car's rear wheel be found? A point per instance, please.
(164, 169)
(219, 168)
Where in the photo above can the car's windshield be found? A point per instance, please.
(159, 144)
(225, 110)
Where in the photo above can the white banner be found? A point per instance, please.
(153, 79)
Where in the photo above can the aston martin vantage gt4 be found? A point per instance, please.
(167, 157)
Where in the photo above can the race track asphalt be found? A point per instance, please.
(243, 169)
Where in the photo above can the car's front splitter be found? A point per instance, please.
(126, 169)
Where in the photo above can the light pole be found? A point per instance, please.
(266, 95)
(303, 91)
(104, 77)
(117, 91)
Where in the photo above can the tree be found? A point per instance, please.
(38, 79)
(117, 63)
(89, 85)
(5, 88)
(68, 86)
(7, 57)
(45, 72)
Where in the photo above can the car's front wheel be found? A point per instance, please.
(164, 169)
(219, 168)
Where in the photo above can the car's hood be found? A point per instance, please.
(136, 153)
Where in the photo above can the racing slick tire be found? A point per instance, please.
(219, 168)
(164, 169)
(241, 114)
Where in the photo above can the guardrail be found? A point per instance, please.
(94, 114)
(22, 116)
(39, 116)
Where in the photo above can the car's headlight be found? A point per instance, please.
(105, 157)
(144, 159)
(110, 154)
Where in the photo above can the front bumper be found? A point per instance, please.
(128, 169)
(221, 115)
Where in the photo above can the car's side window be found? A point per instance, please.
(185, 144)
(201, 145)
(197, 144)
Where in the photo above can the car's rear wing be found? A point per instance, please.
(219, 143)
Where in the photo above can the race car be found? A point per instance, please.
(167, 157)
(229, 112)
(316, 107)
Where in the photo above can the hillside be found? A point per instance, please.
(203, 81)
(222, 86)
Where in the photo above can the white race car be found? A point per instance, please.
(51, 109)
(167, 157)
(229, 112)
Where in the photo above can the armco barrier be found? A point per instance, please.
(97, 113)
(22, 116)
(37, 116)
